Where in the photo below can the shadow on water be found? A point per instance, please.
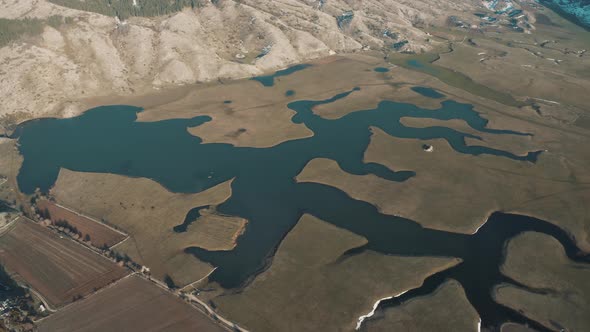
(110, 140)
(427, 92)
(269, 80)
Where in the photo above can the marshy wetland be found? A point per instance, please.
(264, 190)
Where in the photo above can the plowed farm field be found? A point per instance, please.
(132, 305)
(100, 234)
(58, 268)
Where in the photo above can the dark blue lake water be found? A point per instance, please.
(427, 92)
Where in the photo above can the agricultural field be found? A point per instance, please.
(58, 269)
(149, 213)
(97, 234)
(133, 304)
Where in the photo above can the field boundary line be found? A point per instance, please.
(85, 297)
(43, 299)
(91, 218)
(229, 325)
(120, 242)
(93, 250)
(197, 281)
(3, 181)
(8, 227)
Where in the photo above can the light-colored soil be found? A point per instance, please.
(446, 309)
(100, 235)
(314, 290)
(58, 268)
(148, 213)
(539, 261)
(133, 304)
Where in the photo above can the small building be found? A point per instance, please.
(427, 147)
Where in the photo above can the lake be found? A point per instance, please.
(108, 139)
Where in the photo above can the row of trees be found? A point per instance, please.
(72, 229)
(127, 8)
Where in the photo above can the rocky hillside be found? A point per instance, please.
(78, 53)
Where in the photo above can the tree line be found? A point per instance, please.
(13, 29)
(126, 8)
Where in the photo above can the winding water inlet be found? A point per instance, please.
(264, 191)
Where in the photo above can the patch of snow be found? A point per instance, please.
(362, 318)
(480, 226)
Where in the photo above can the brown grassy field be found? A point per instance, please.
(446, 309)
(58, 268)
(552, 189)
(133, 305)
(518, 64)
(100, 235)
(315, 291)
(148, 213)
(539, 261)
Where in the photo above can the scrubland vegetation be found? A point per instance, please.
(11, 30)
(127, 8)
